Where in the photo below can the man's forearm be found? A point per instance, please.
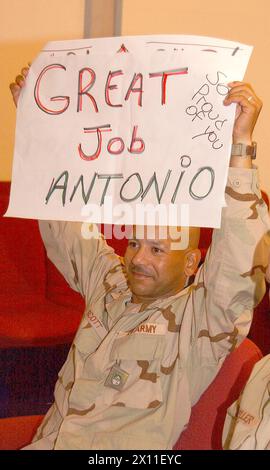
(240, 162)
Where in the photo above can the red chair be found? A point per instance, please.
(35, 309)
(260, 327)
(17, 432)
(204, 431)
(205, 427)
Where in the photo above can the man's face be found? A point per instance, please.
(155, 269)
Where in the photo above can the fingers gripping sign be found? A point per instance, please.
(247, 111)
(18, 84)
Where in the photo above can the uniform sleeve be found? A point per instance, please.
(231, 282)
(83, 260)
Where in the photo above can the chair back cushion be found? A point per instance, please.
(204, 431)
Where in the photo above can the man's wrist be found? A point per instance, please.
(242, 139)
(240, 162)
(243, 151)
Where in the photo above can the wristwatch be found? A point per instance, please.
(243, 150)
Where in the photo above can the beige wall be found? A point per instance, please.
(247, 21)
(25, 26)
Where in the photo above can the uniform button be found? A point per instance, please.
(236, 183)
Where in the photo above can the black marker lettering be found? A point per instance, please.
(62, 187)
(203, 91)
(153, 180)
(177, 187)
(187, 163)
(81, 182)
(108, 178)
(195, 177)
(126, 199)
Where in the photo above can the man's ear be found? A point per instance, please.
(192, 260)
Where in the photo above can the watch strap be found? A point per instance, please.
(243, 150)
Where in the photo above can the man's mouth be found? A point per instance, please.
(140, 274)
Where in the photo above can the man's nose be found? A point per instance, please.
(140, 257)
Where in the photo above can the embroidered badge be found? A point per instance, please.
(117, 378)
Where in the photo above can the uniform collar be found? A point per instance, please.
(122, 302)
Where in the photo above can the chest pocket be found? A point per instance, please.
(140, 356)
(85, 342)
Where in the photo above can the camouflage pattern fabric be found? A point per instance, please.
(247, 425)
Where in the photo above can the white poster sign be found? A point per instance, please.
(126, 130)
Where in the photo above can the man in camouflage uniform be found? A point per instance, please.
(147, 346)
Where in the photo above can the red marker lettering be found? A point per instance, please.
(83, 90)
(41, 106)
(109, 87)
(165, 75)
(98, 130)
(136, 140)
(132, 89)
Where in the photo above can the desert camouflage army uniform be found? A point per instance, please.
(247, 425)
(134, 370)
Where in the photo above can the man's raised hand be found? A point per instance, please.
(18, 84)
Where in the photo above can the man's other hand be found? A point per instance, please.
(247, 111)
(18, 84)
